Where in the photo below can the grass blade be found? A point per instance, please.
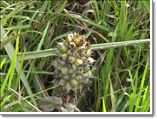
(141, 88)
(113, 100)
(103, 105)
(17, 27)
(75, 16)
(42, 39)
(10, 51)
(117, 44)
(13, 63)
(52, 51)
(2, 63)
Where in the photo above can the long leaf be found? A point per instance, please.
(141, 87)
(52, 51)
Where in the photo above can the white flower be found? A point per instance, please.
(91, 60)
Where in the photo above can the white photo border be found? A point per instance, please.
(96, 114)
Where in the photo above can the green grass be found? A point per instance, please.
(119, 34)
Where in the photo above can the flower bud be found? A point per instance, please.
(88, 74)
(62, 48)
(74, 67)
(67, 87)
(73, 63)
(72, 59)
(66, 77)
(91, 60)
(74, 82)
(80, 87)
(88, 53)
(72, 45)
(79, 77)
(64, 70)
(82, 48)
(76, 34)
(64, 56)
(78, 41)
(62, 82)
(86, 68)
(69, 39)
(86, 81)
(79, 61)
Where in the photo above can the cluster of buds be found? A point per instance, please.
(73, 63)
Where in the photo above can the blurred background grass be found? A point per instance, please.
(122, 82)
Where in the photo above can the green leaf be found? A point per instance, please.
(141, 87)
(13, 63)
(147, 4)
(117, 44)
(103, 106)
(17, 27)
(122, 24)
(53, 51)
(2, 63)
(113, 99)
(43, 37)
(10, 51)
